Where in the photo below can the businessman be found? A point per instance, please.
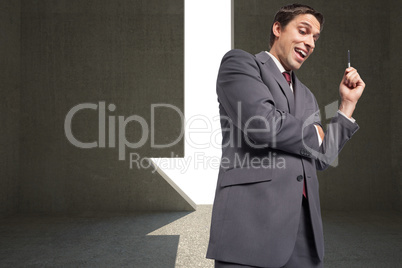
(266, 211)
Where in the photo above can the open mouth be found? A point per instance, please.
(301, 53)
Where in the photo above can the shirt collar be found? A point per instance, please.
(278, 64)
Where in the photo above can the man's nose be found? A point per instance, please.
(310, 42)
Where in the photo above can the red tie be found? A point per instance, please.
(287, 77)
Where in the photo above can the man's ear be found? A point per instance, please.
(276, 29)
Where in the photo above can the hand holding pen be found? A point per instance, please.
(350, 89)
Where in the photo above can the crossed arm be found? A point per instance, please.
(239, 81)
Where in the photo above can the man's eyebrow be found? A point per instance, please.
(308, 25)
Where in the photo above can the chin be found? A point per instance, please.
(296, 66)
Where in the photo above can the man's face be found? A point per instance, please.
(295, 42)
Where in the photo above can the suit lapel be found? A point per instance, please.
(299, 97)
(280, 79)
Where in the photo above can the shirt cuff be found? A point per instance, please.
(350, 119)
(318, 135)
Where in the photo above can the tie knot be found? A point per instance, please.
(287, 77)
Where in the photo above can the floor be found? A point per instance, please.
(178, 239)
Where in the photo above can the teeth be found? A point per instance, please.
(301, 52)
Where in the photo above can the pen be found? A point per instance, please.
(348, 58)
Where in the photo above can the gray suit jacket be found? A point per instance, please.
(269, 147)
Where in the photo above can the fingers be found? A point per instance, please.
(352, 78)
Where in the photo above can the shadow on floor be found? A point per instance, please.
(362, 239)
(89, 241)
(180, 239)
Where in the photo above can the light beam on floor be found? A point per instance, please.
(207, 39)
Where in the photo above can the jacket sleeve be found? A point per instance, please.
(251, 107)
(338, 132)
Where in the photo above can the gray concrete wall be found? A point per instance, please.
(127, 53)
(396, 96)
(9, 108)
(368, 172)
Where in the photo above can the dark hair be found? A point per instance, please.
(287, 13)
